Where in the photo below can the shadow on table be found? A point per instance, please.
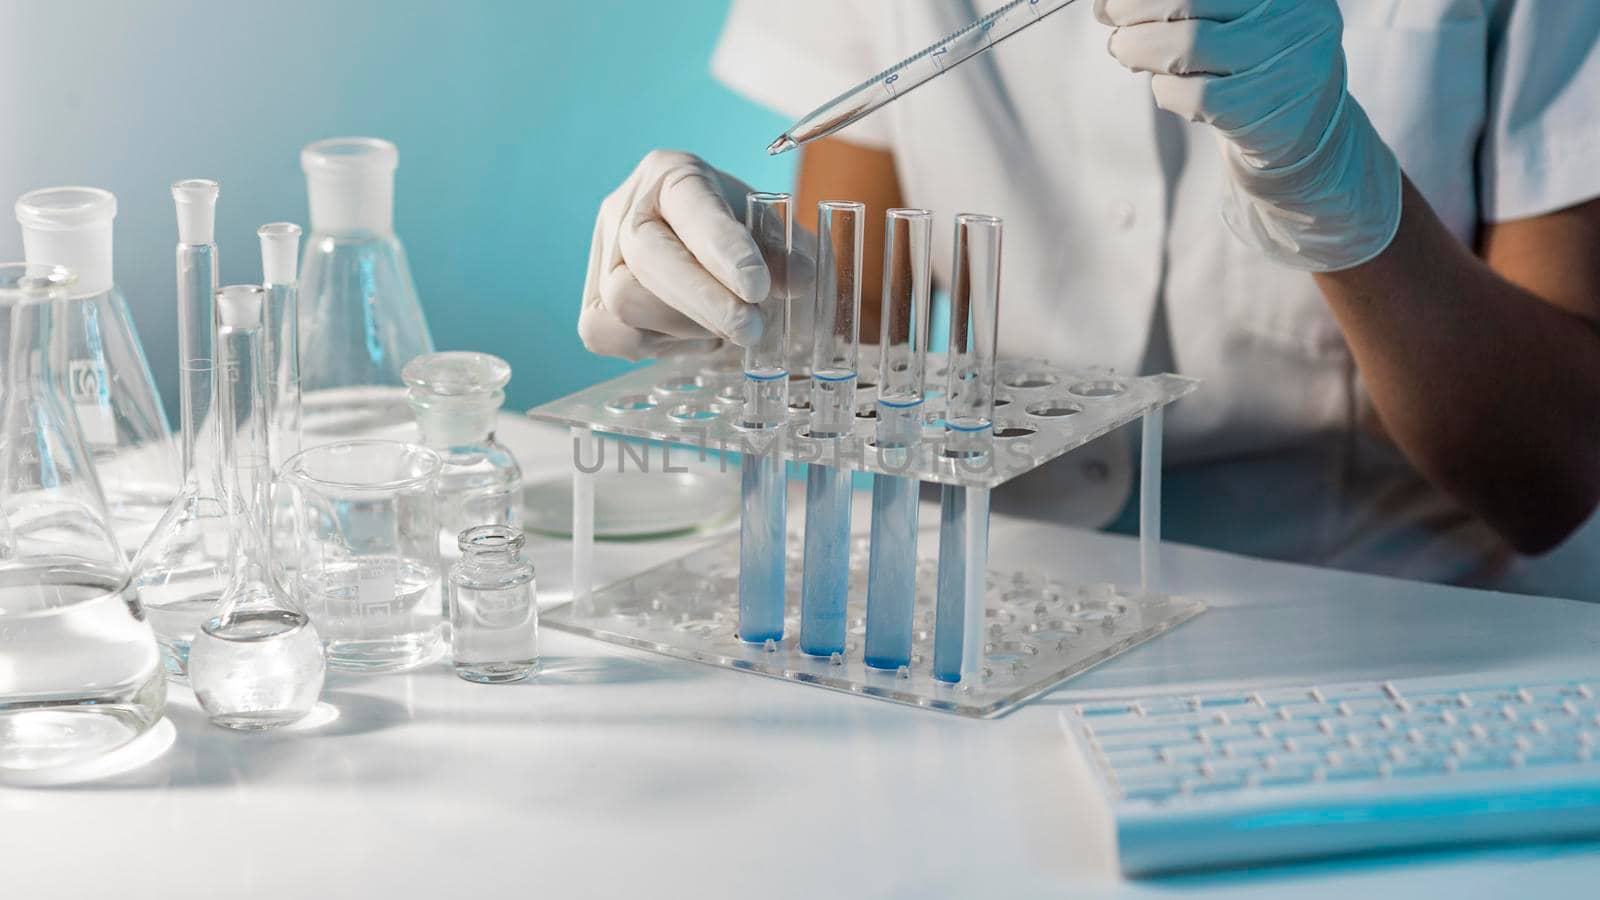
(569, 670)
(1272, 878)
(205, 755)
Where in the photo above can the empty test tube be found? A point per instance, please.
(903, 342)
(825, 580)
(969, 439)
(280, 260)
(762, 525)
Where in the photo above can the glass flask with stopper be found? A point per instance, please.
(107, 380)
(258, 662)
(456, 398)
(181, 571)
(360, 321)
(80, 673)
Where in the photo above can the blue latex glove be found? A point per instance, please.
(1311, 184)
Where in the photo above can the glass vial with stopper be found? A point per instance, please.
(456, 398)
(360, 320)
(825, 577)
(258, 662)
(763, 486)
(80, 673)
(109, 386)
(494, 613)
(181, 571)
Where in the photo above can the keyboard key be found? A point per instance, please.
(1224, 701)
(1190, 752)
(1220, 733)
(1154, 788)
(1333, 693)
(1152, 723)
(1141, 739)
(1108, 708)
(1251, 747)
(1130, 757)
(1372, 705)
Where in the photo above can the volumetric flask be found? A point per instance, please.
(107, 381)
(360, 321)
(181, 570)
(79, 670)
(367, 543)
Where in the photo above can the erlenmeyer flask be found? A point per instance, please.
(181, 571)
(108, 383)
(79, 670)
(360, 321)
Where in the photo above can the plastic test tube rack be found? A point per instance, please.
(1037, 631)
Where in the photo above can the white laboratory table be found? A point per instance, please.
(621, 773)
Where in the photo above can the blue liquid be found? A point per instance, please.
(825, 581)
(951, 604)
(892, 572)
(761, 548)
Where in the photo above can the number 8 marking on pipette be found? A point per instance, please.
(888, 83)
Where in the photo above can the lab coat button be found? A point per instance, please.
(1125, 215)
(1096, 471)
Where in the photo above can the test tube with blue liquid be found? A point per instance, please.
(968, 443)
(762, 523)
(825, 577)
(903, 343)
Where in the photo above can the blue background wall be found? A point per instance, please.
(513, 120)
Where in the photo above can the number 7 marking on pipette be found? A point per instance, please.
(938, 52)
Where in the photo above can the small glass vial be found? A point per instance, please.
(456, 398)
(494, 613)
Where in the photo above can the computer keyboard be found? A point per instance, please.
(1225, 779)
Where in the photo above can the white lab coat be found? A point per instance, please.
(1113, 231)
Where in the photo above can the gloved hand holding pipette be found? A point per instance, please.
(1310, 182)
(671, 268)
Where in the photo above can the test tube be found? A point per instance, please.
(969, 438)
(280, 256)
(196, 200)
(903, 346)
(825, 577)
(762, 522)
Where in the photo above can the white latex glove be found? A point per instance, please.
(1311, 184)
(671, 267)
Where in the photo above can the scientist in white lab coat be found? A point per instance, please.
(1369, 226)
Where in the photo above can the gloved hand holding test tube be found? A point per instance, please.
(762, 522)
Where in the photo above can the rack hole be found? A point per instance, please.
(1054, 408)
(630, 403)
(1097, 388)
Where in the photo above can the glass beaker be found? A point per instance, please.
(80, 673)
(360, 321)
(108, 383)
(367, 542)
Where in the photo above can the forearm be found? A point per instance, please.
(832, 169)
(1491, 390)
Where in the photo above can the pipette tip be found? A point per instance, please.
(783, 144)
